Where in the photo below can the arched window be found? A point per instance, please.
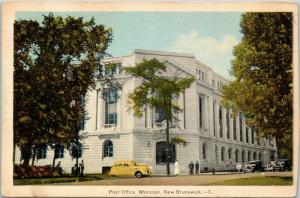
(259, 156)
(108, 148)
(243, 156)
(249, 155)
(204, 151)
(229, 153)
(254, 156)
(223, 154)
(236, 155)
(216, 153)
(164, 150)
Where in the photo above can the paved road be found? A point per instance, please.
(203, 179)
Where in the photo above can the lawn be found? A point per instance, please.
(63, 179)
(259, 181)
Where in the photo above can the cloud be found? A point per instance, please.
(216, 53)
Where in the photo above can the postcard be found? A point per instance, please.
(149, 99)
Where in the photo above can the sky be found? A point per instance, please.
(210, 36)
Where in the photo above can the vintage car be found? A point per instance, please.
(130, 168)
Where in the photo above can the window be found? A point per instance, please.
(216, 153)
(159, 115)
(254, 156)
(223, 154)
(229, 153)
(164, 150)
(252, 135)
(249, 155)
(204, 151)
(234, 128)
(59, 151)
(259, 156)
(220, 121)
(236, 155)
(227, 124)
(213, 82)
(241, 127)
(111, 107)
(200, 111)
(41, 152)
(76, 150)
(247, 138)
(214, 117)
(108, 149)
(243, 156)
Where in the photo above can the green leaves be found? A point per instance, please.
(262, 70)
(55, 63)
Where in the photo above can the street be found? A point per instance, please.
(203, 179)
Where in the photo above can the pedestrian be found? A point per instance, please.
(81, 168)
(176, 168)
(197, 167)
(191, 168)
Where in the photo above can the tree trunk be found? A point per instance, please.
(168, 143)
(27, 154)
(33, 158)
(53, 161)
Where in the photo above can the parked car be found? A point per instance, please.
(248, 168)
(276, 166)
(269, 167)
(256, 165)
(285, 164)
(130, 168)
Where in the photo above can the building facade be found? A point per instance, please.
(215, 138)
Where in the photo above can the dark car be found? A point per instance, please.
(285, 164)
(257, 166)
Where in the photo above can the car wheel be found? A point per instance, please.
(138, 174)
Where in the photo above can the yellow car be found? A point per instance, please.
(129, 168)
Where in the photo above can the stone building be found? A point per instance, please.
(215, 139)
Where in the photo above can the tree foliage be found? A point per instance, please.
(262, 70)
(55, 62)
(157, 91)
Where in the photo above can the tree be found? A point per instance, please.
(55, 63)
(262, 70)
(156, 91)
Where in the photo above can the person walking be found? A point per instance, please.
(176, 168)
(197, 167)
(81, 168)
(191, 168)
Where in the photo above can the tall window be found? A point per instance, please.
(164, 150)
(236, 155)
(108, 148)
(111, 107)
(247, 138)
(234, 128)
(227, 123)
(200, 111)
(159, 115)
(214, 117)
(216, 153)
(259, 156)
(252, 135)
(59, 151)
(76, 150)
(229, 153)
(241, 127)
(243, 156)
(249, 155)
(223, 154)
(41, 151)
(204, 151)
(254, 156)
(220, 121)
